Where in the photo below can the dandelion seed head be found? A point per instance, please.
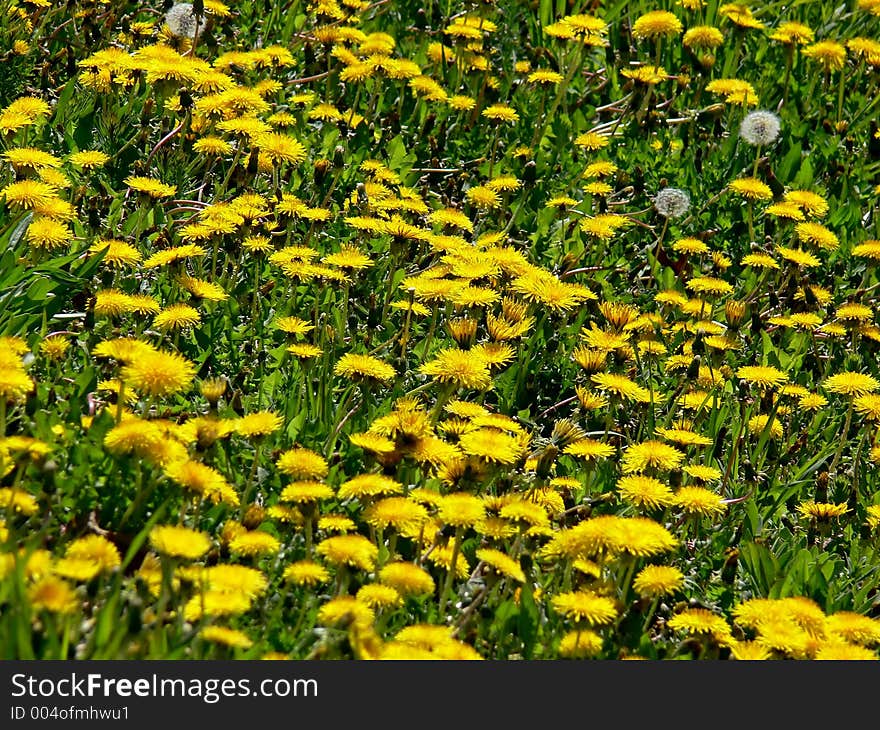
(672, 202)
(181, 20)
(760, 127)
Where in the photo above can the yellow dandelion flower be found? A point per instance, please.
(149, 186)
(158, 373)
(53, 595)
(306, 573)
(585, 606)
(254, 542)
(751, 188)
(364, 367)
(353, 550)
(651, 453)
(698, 501)
(656, 23)
(655, 581)
(851, 383)
(408, 579)
(502, 563)
(302, 463)
(644, 491)
(179, 542)
(822, 510)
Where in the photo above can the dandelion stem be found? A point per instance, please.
(840, 88)
(120, 403)
(650, 614)
(309, 535)
(450, 574)
(494, 148)
(751, 216)
(561, 91)
(249, 485)
(842, 439)
(789, 61)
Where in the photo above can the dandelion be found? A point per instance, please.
(369, 485)
(672, 202)
(461, 368)
(842, 651)
(461, 509)
(585, 606)
(179, 542)
(786, 211)
(181, 20)
(177, 316)
(53, 595)
(589, 449)
(699, 621)
(353, 550)
(254, 543)
(378, 596)
(28, 194)
(703, 36)
(545, 77)
(500, 112)
(305, 492)
(854, 627)
(280, 148)
(830, 54)
(655, 581)
(868, 405)
(302, 463)
(698, 501)
(306, 573)
(158, 373)
(364, 368)
(822, 510)
(407, 579)
(656, 23)
(149, 186)
(492, 445)
(483, 197)
(55, 347)
(226, 636)
(403, 514)
(215, 603)
(620, 386)
(644, 491)
(502, 564)
(851, 383)
(95, 549)
(580, 644)
(810, 202)
(761, 422)
(751, 189)
(763, 376)
(648, 75)
(260, 423)
(817, 234)
(760, 128)
(591, 141)
(30, 157)
(651, 453)
(792, 32)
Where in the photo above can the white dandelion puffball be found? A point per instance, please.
(672, 202)
(181, 21)
(759, 128)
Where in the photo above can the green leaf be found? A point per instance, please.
(760, 565)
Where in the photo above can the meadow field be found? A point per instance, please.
(525, 329)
